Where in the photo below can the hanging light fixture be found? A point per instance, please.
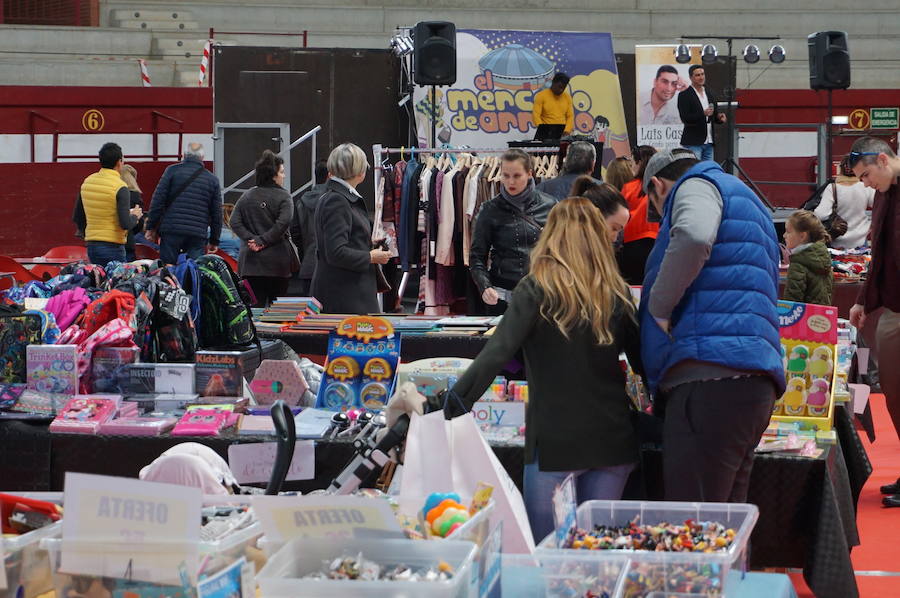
(751, 54)
(682, 54)
(401, 45)
(777, 54)
(709, 54)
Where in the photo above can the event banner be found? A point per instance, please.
(659, 80)
(497, 75)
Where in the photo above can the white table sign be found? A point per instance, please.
(323, 516)
(252, 462)
(126, 528)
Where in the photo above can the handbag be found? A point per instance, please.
(381, 281)
(834, 224)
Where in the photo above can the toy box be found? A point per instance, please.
(278, 379)
(52, 368)
(219, 374)
(433, 375)
(152, 378)
(109, 368)
(363, 353)
(808, 347)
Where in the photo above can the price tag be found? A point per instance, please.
(320, 516)
(252, 462)
(129, 529)
(564, 508)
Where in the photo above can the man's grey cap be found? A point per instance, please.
(660, 160)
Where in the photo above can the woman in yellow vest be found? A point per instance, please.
(103, 212)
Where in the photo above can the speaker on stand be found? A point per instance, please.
(829, 69)
(434, 59)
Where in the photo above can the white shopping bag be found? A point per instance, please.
(474, 461)
(426, 461)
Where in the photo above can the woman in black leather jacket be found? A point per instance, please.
(506, 229)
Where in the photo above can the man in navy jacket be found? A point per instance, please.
(186, 204)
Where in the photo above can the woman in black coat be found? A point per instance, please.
(506, 229)
(344, 280)
(261, 219)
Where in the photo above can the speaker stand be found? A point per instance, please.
(433, 116)
(828, 157)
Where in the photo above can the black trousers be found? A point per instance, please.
(267, 288)
(709, 434)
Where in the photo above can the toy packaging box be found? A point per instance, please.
(278, 379)
(219, 374)
(808, 348)
(433, 375)
(109, 368)
(84, 414)
(363, 353)
(52, 368)
(154, 378)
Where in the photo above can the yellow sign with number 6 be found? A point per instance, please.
(92, 120)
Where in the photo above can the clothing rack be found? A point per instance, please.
(379, 153)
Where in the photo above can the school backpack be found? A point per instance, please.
(187, 273)
(95, 273)
(170, 336)
(17, 330)
(67, 306)
(109, 306)
(49, 329)
(225, 313)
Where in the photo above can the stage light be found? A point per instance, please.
(777, 54)
(401, 45)
(682, 54)
(708, 54)
(751, 54)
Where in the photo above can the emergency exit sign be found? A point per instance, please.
(885, 118)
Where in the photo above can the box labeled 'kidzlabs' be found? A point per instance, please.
(808, 349)
(363, 353)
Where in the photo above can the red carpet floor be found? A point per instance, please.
(879, 527)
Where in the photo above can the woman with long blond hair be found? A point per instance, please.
(572, 315)
(129, 175)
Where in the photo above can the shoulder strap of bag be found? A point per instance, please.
(834, 205)
(181, 189)
(529, 219)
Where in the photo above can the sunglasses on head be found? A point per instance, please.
(854, 157)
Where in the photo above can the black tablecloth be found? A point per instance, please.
(807, 506)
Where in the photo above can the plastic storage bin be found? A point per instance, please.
(213, 556)
(281, 577)
(643, 572)
(28, 571)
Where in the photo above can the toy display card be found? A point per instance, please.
(52, 368)
(109, 368)
(219, 373)
(808, 337)
(278, 379)
(363, 353)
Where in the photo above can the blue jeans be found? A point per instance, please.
(703, 152)
(171, 245)
(604, 483)
(104, 252)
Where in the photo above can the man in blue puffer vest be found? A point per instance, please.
(186, 211)
(709, 326)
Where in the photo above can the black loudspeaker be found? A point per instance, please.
(829, 60)
(434, 53)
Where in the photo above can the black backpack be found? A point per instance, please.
(170, 336)
(225, 317)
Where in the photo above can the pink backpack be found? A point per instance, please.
(115, 333)
(67, 306)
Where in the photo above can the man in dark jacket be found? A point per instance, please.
(580, 160)
(878, 167)
(699, 111)
(186, 204)
(303, 227)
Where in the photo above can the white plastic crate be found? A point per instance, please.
(282, 575)
(28, 571)
(666, 568)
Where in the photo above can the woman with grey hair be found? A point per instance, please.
(345, 280)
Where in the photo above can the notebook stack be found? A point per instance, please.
(318, 323)
(290, 309)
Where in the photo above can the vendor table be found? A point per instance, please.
(807, 506)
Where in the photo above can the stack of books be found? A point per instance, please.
(290, 309)
(318, 323)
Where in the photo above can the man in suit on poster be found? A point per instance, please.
(699, 111)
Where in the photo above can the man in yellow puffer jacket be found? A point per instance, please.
(102, 212)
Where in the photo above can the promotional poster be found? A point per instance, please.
(659, 79)
(499, 72)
